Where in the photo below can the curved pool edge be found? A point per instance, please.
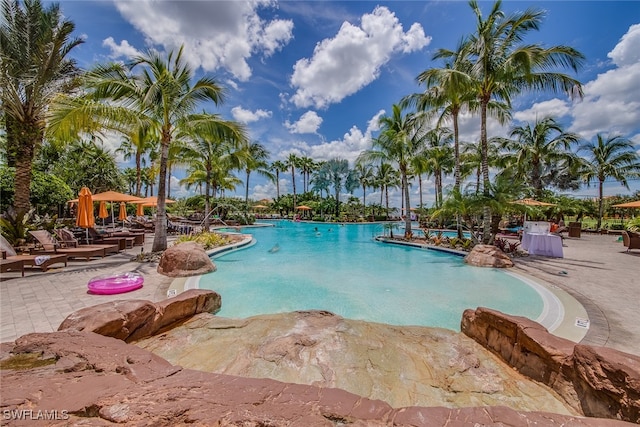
(182, 284)
(563, 315)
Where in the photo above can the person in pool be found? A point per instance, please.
(274, 249)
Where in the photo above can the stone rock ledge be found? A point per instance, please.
(131, 320)
(185, 259)
(98, 380)
(488, 256)
(597, 381)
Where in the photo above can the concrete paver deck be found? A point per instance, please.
(596, 270)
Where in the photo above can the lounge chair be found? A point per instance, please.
(96, 238)
(631, 240)
(12, 261)
(51, 246)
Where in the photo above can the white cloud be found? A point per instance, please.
(342, 65)
(349, 147)
(119, 50)
(611, 104)
(309, 122)
(220, 34)
(552, 108)
(248, 116)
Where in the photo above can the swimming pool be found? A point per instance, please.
(342, 269)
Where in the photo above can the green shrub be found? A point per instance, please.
(207, 240)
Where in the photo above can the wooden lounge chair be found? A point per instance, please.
(51, 246)
(69, 240)
(631, 240)
(8, 264)
(10, 259)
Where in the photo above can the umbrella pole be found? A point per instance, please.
(86, 230)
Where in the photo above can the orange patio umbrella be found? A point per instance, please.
(140, 210)
(122, 215)
(113, 197)
(304, 208)
(152, 201)
(102, 213)
(634, 204)
(85, 218)
(531, 202)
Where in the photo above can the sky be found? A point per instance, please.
(314, 77)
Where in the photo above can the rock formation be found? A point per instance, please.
(185, 259)
(598, 381)
(130, 320)
(488, 256)
(81, 378)
(401, 365)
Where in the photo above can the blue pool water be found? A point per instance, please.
(343, 270)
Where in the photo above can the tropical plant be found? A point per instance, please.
(34, 67)
(365, 177)
(386, 177)
(207, 239)
(609, 157)
(136, 144)
(161, 96)
(292, 162)
(336, 171)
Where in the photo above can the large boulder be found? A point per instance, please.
(81, 378)
(599, 382)
(401, 365)
(130, 320)
(185, 259)
(488, 256)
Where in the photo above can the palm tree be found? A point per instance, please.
(162, 95)
(34, 45)
(136, 144)
(502, 67)
(277, 167)
(386, 177)
(292, 162)
(336, 171)
(256, 156)
(365, 179)
(399, 141)
(613, 157)
(536, 151)
(215, 151)
(306, 166)
(438, 157)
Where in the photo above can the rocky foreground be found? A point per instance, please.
(89, 373)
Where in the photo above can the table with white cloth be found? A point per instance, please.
(542, 244)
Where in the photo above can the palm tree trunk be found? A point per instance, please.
(138, 173)
(407, 217)
(160, 239)
(293, 183)
(456, 172)
(420, 188)
(277, 184)
(364, 201)
(486, 209)
(26, 141)
(600, 203)
(246, 191)
(386, 193)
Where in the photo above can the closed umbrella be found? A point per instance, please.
(122, 215)
(85, 218)
(140, 210)
(102, 213)
(114, 196)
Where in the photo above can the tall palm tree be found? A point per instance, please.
(256, 156)
(400, 139)
(336, 171)
(502, 67)
(386, 177)
(216, 151)
(277, 167)
(34, 67)
(161, 95)
(307, 166)
(136, 144)
(439, 158)
(612, 157)
(292, 162)
(365, 178)
(537, 150)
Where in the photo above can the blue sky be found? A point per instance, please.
(313, 77)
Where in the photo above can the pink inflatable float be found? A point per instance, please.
(108, 284)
